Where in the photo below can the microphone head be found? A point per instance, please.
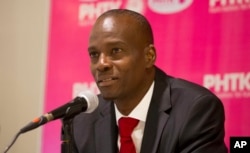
(91, 99)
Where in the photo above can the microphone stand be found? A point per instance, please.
(67, 129)
(66, 138)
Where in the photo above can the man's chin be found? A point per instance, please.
(108, 97)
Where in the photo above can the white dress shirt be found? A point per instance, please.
(140, 113)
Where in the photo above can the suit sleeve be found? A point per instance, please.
(203, 129)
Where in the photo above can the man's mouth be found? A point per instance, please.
(106, 81)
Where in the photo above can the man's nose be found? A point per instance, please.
(104, 63)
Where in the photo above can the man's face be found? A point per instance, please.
(118, 61)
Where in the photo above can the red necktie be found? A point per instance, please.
(126, 126)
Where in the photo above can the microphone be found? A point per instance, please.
(86, 102)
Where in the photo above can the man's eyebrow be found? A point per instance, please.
(91, 48)
(117, 43)
(108, 44)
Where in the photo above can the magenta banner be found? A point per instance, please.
(207, 42)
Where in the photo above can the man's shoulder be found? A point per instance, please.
(180, 86)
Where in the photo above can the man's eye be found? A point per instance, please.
(116, 50)
(93, 54)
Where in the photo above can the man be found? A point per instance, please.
(175, 116)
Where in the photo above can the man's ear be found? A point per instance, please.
(150, 55)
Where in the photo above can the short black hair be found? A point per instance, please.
(139, 18)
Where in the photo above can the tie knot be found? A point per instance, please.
(127, 125)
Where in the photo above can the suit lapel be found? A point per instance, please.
(157, 115)
(106, 131)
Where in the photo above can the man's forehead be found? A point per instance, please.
(120, 27)
(111, 25)
(107, 24)
(111, 21)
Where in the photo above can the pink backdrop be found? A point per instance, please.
(207, 42)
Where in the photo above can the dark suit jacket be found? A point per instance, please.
(183, 117)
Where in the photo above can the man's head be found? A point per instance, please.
(137, 22)
(122, 55)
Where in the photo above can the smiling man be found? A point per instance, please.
(122, 59)
(172, 115)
